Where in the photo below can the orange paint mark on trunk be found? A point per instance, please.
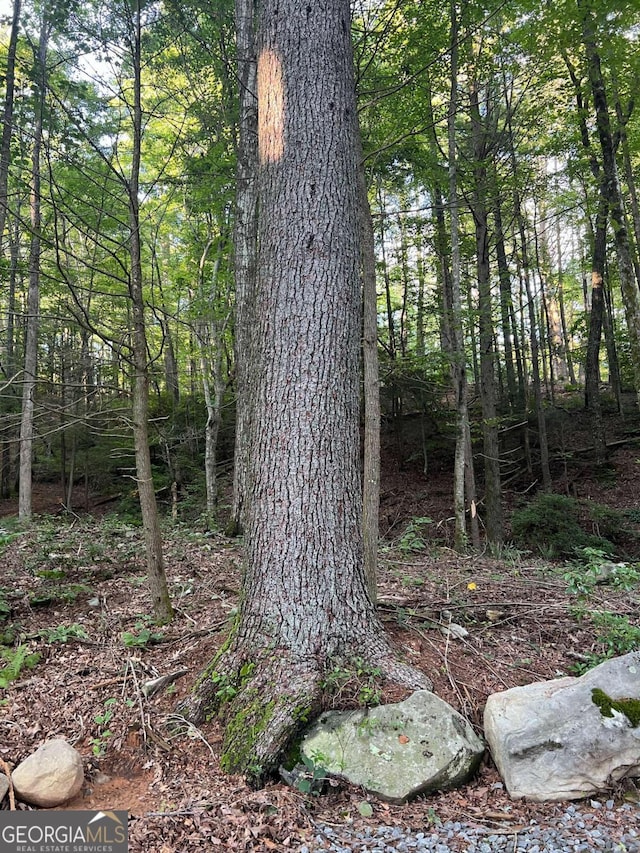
(270, 107)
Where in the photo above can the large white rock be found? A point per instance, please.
(50, 776)
(397, 751)
(551, 742)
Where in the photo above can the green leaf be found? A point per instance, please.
(365, 809)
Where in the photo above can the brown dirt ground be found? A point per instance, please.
(520, 616)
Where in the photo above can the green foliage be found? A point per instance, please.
(6, 536)
(617, 635)
(102, 720)
(310, 780)
(17, 659)
(593, 566)
(228, 689)
(64, 593)
(63, 633)
(141, 636)
(556, 525)
(5, 608)
(413, 538)
(358, 680)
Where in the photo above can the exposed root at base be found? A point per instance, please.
(266, 700)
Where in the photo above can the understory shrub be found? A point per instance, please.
(556, 526)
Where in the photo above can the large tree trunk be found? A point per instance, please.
(304, 600)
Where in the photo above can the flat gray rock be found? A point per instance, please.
(551, 742)
(50, 776)
(4, 786)
(396, 751)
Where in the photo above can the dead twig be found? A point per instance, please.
(7, 772)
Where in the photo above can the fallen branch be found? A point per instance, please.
(12, 796)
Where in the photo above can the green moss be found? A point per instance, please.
(242, 731)
(629, 707)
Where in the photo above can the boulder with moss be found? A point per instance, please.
(397, 751)
(571, 737)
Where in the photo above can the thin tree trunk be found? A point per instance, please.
(160, 599)
(371, 381)
(245, 250)
(566, 343)
(629, 286)
(7, 118)
(506, 306)
(494, 517)
(592, 365)
(33, 298)
(209, 335)
(464, 490)
(623, 120)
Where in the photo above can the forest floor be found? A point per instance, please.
(74, 592)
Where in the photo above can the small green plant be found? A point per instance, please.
(367, 727)
(311, 779)
(5, 608)
(226, 689)
(616, 636)
(593, 566)
(142, 635)
(63, 633)
(358, 679)
(433, 818)
(17, 659)
(102, 720)
(413, 538)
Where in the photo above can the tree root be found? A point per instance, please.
(266, 702)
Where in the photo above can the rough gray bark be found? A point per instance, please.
(305, 602)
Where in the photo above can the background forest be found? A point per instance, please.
(499, 232)
(501, 152)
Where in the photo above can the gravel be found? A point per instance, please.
(606, 828)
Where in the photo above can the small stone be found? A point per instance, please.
(50, 776)
(4, 787)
